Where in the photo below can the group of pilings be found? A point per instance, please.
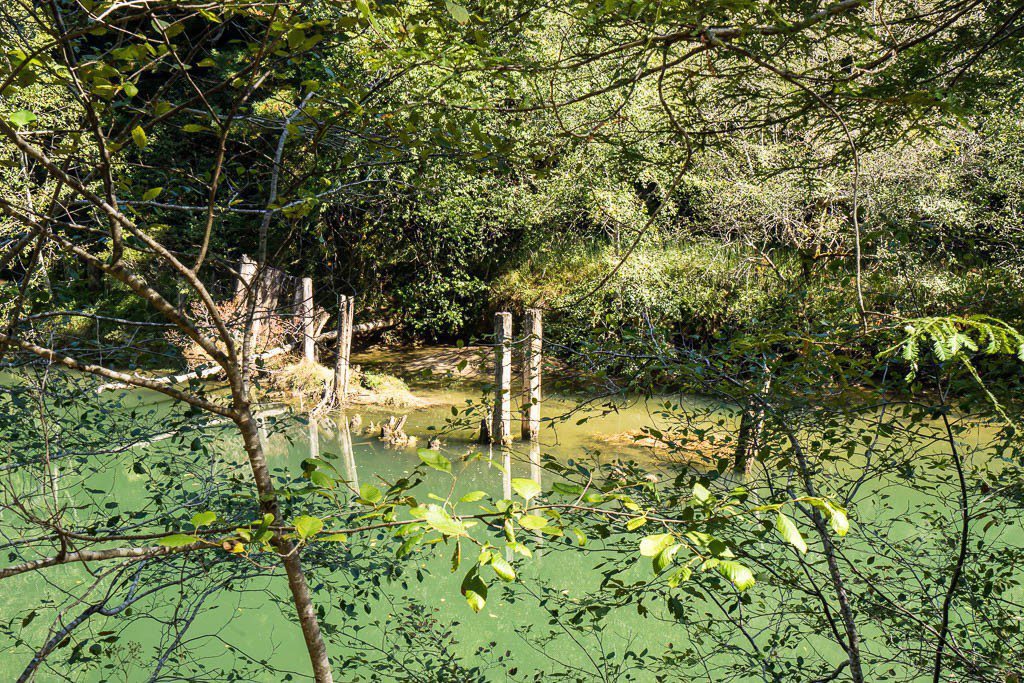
(268, 289)
(500, 431)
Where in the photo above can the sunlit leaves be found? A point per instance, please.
(307, 526)
(458, 12)
(787, 529)
(440, 520)
(177, 540)
(527, 488)
(434, 459)
(370, 494)
(474, 589)
(836, 515)
(139, 137)
(21, 118)
(738, 574)
(203, 518)
(651, 546)
(503, 568)
(533, 522)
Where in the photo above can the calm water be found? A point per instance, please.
(248, 628)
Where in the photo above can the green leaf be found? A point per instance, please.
(307, 526)
(434, 459)
(334, 538)
(678, 576)
(441, 521)
(22, 118)
(700, 492)
(652, 545)
(370, 494)
(635, 523)
(139, 137)
(532, 522)
(130, 89)
(475, 590)
(665, 557)
(787, 529)
(503, 568)
(740, 576)
(527, 488)
(458, 12)
(151, 193)
(472, 497)
(177, 540)
(203, 518)
(839, 522)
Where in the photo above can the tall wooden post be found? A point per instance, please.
(346, 313)
(314, 438)
(348, 460)
(501, 419)
(304, 318)
(246, 272)
(532, 346)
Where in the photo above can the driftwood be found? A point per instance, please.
(209, 371)
(201, 373)
(361, 328)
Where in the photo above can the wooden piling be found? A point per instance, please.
(342, 358)
(532, 350)
(314, 438)
(348, 460)
(501, 419)
(304, 318)
(246, 272)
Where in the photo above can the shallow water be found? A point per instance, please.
(244, 627)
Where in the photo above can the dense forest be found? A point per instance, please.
(252, 252)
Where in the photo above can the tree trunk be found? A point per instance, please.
(286, 549)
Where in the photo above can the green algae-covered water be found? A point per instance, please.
(388, 620)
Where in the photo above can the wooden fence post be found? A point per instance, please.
(246, 271)
(532, 346)
(304, 318)
(348, 460)
(346, 312)
(314, 438)
(501, 419)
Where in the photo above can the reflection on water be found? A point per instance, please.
(368, 595)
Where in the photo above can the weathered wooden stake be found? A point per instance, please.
(246, 272)
(304, 318)
(348, 460)
(532, 346)
(350, 315)
(314, 438)
(346, 310)
(501, 419)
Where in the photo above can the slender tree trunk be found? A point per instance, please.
(954, 579)
(286, 549)
(751, 426)
(836, 577)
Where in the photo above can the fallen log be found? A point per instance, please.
(204, 372)
(361, 328)
(213, 370)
